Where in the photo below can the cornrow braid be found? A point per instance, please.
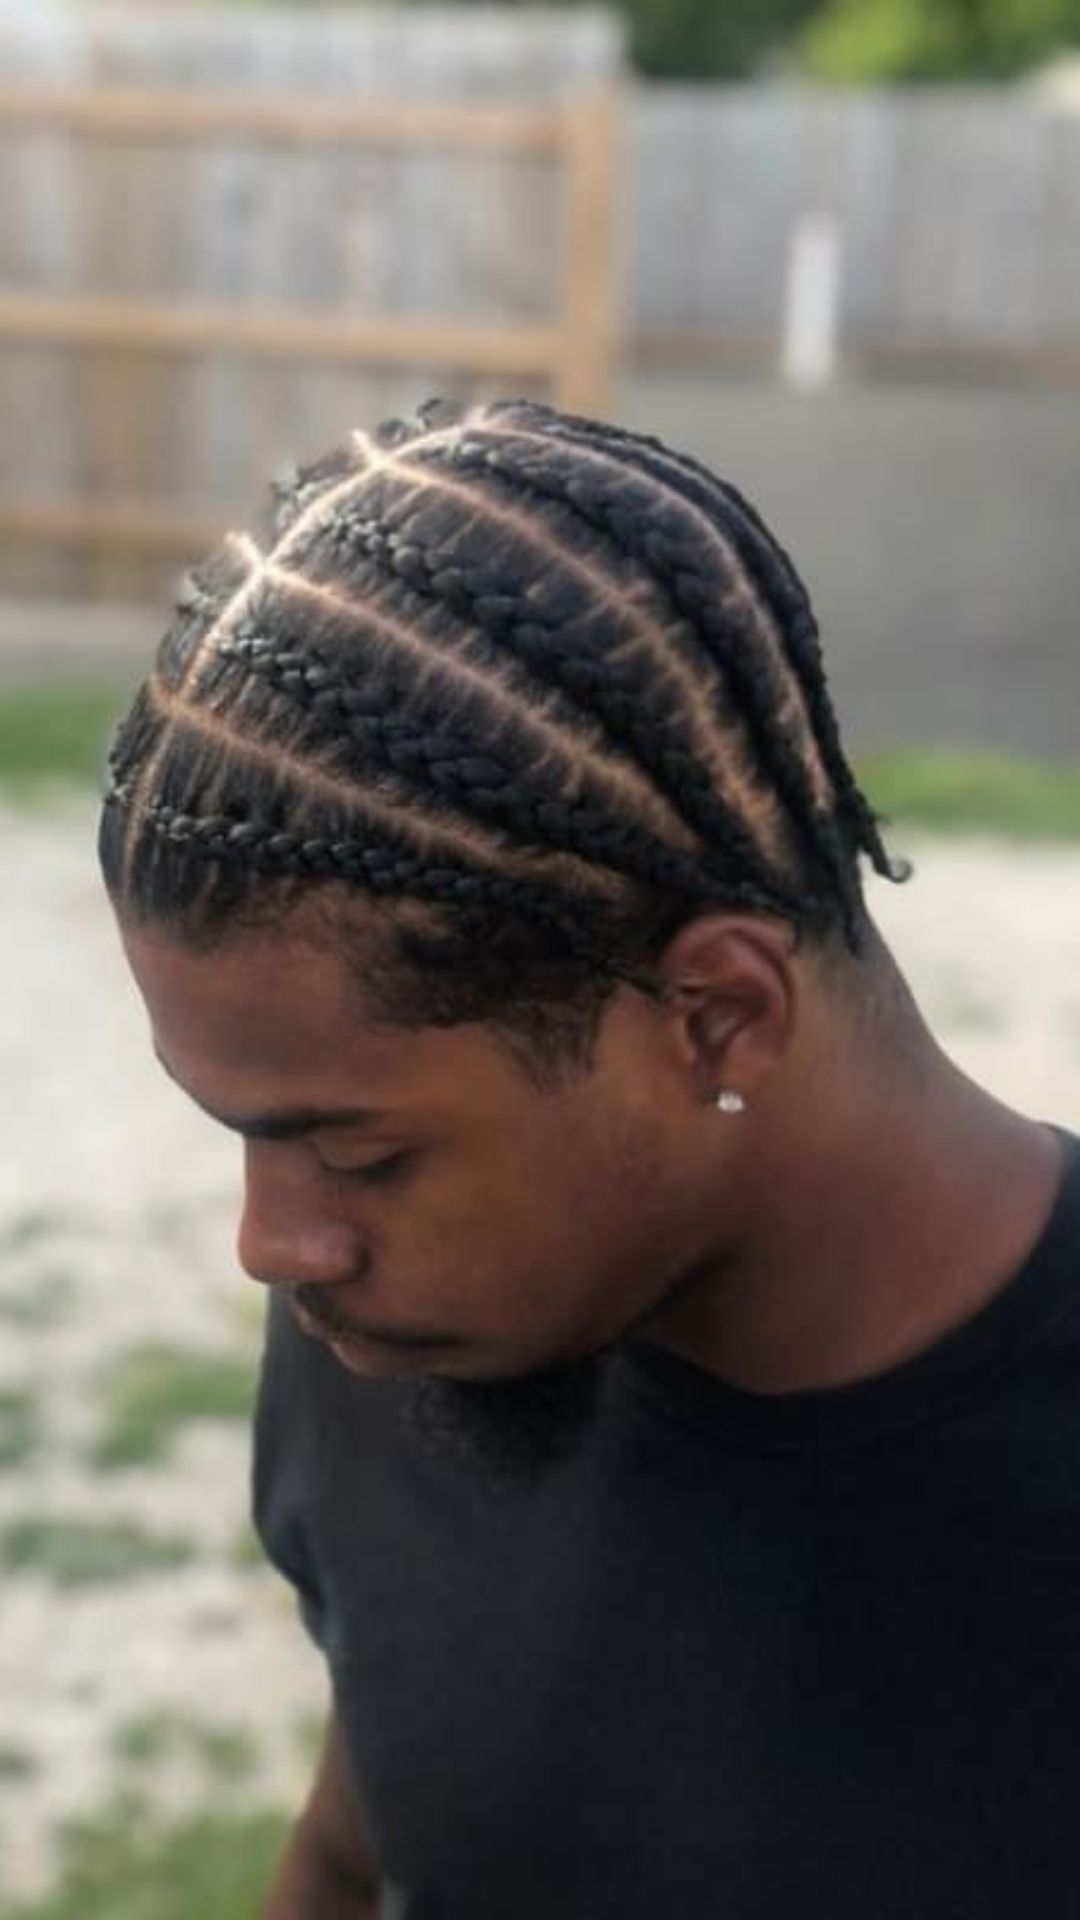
(772, 564)
(620, 705)
(547, 681)
(435, 759)
(675, 562)
(386, 870)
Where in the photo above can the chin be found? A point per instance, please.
(373, 1363)
(507, 1429)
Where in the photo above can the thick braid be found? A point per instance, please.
(782, 591)
(851, 801)
(779, 577)
(133, 740)
(799, 627)
(675, 562)
(297, 489)
(203, 594)
(473, 777)
(624, 707)
(395, 871)
(200, 597)
(550, 679)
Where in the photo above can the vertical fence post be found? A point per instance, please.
(810, 349)
(591, 254)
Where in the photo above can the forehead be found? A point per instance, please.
(275, 1016)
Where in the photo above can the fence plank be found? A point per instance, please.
(270, 197)
(591, 254)
(957, 209)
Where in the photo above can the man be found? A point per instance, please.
(670, 1416)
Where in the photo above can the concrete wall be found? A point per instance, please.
(936, 529)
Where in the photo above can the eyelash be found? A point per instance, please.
(375, 1173)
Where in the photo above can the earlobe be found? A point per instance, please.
(733, 990)
(721, 1029)
(729, 1101)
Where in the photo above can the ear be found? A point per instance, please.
(731, 989)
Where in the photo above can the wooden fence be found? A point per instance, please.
(957, 212)
(219, 248)
(570, 352)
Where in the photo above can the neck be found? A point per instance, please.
(911, 1199)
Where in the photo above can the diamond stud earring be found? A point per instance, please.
(728, 1101)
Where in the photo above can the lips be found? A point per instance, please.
(362, 1353)
(319, 1326)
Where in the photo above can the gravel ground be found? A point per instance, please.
(116, 1210)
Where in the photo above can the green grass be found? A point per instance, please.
(309, 1733)
(16, 1762)
(74, 1552)
(39, 1300)
(957, 790)
(20, 1426)
(146, 1738)
(228, 1754)
(24, 1231)
(59, 732)
(245, 1551)
(126, 1864)
(151, 1393)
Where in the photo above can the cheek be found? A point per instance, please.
(603, 1214)
(552, 1236)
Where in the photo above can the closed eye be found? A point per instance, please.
(373, 1172)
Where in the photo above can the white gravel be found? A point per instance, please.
(116, 1213)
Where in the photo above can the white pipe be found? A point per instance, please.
(811, 335)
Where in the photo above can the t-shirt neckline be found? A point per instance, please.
(918, 1389)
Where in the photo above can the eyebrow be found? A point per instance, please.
(291, 1123)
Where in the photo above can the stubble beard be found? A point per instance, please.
(509, 1434)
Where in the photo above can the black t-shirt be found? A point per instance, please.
(739, 1657)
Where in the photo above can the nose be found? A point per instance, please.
(286, 1234)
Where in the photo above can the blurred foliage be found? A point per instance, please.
(875, 40)
(16, 1762)
(841, 40)
(74, 1552)
(226, 1753)
(704, 40)
(58, 732)
(20, 1426)
(126, 1864)
(963, 790)
(151, 1393)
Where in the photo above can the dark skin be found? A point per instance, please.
(868, 1199)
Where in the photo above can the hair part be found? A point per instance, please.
(542, 687)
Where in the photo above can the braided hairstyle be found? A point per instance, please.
(543, 688)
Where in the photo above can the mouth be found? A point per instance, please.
(372, 1350)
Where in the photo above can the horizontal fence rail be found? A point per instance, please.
(570, 351)
(121, 114)
(147, 327)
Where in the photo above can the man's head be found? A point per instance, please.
(501, 793)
